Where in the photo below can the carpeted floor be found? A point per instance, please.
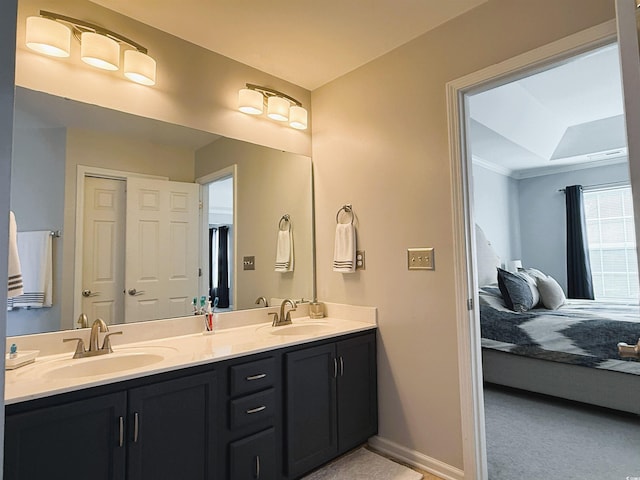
(535, 437)
(363, 464)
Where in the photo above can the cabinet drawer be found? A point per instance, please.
(253, 457)
(252, 409)
(252, 376)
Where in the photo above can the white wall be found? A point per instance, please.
(380, 143)
(543, 216)
(496, 211)
(37, 199)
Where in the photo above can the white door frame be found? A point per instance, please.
(468, 323)
(83, 171)
(230, 171)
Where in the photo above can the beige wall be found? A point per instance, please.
(195, 87)
(269, 183)
(115, 152)
(380, 142)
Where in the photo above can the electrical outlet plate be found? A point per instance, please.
(249, 263)
(420, 259)
(360, 265)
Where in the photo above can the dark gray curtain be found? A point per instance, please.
(579, 281)
(212, 236)
(222, 290)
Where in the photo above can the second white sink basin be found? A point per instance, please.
(301, 329)
(109, 363)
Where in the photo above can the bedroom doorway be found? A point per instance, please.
(541, 59)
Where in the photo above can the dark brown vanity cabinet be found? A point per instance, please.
(331, 401)
(160, 430)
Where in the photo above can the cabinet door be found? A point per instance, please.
(254, 457)
(357, 391)
(172, 429)
(311, 436)
(75, 440)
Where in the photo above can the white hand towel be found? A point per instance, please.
(15, 286)
(284, 251)
(344, 253)
(37, 269)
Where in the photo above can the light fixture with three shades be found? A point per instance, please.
(280, 106)
(50, 34)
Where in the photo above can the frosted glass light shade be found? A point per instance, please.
(48, 37)
(99, 51)
(139, 67)
(250, 101)
(298, 117)
(278, 109)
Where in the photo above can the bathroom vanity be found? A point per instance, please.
(250, 402)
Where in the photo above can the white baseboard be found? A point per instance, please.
(416, 459)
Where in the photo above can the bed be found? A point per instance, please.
(570, 352)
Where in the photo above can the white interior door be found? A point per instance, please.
(103, 252)
(628, 35)
(161, 248)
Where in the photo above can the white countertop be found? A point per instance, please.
(40, 379)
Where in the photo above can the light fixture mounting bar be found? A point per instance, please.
(270, 92)
(86, 26)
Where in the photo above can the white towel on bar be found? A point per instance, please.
(37, 270)
(15, 287)
(284, 251)
(344, 253)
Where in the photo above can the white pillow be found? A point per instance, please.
(532, 281)
(487, 261)
(551, 293)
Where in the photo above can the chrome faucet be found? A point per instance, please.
(98, 326)
(263, 300)
(286, 320)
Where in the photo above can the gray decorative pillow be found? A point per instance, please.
(551, 293)
(515, 290)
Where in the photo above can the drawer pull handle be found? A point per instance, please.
(121, 433)
(257, 466)
(256, 410)
(136, 427)
(256, 377)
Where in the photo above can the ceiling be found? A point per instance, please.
(306, 42)
(570, 114)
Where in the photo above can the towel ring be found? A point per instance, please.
(348, 208)
(287, 220)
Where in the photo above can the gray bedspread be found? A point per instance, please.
(581, 332)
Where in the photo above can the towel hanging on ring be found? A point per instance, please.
(344, 252)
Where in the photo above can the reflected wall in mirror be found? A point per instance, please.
(54, 136)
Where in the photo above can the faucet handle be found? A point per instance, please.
(79, 347)
(106, 343)
(275, 318)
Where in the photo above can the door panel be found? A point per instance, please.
(103, 249)
(162, 248)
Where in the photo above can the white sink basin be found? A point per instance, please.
(301, 329)
(101, 365)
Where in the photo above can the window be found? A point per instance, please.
(612, 242)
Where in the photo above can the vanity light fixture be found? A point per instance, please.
(280, 107)
(50, 34)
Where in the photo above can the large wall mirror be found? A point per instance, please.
(71, 160)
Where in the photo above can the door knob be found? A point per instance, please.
(89, 293)
(133, 292)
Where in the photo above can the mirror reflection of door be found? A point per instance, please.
(220, 245)
(103, 256)
(140, 249)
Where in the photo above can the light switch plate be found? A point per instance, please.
(421, 259)
(249, 263)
